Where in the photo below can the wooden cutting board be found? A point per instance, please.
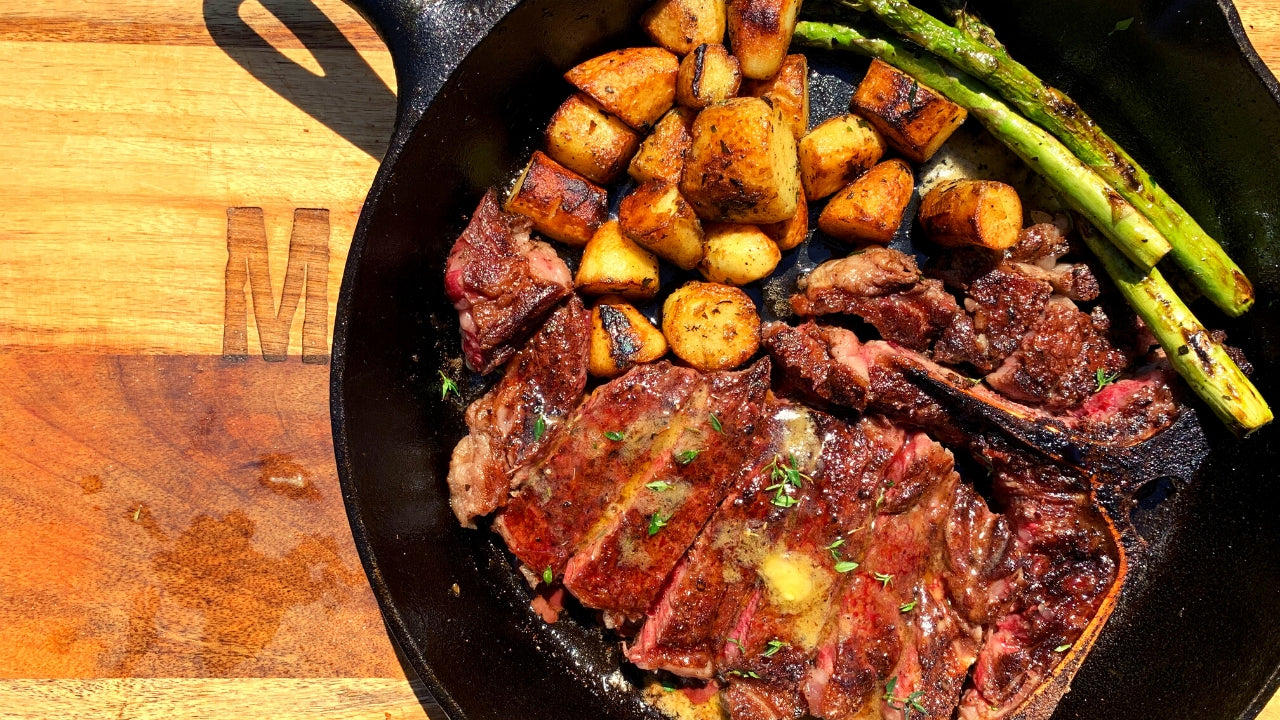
(179, 188)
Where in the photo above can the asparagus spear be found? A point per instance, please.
(1204, 363)
(1131, 232)
(975, 50)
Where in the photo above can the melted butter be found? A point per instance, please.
(798, 587)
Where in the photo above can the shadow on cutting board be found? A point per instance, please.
(348, 98)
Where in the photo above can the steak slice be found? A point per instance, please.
(567, 490)
(884, 287)
(801, 572)
(1058, 363)
(502, 283)
(666, 502)
(895, 640)
(521, 414)
(685, 630)
(1066, 567)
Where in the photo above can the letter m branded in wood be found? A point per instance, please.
(305, 277)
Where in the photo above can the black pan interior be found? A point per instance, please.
(1198, 638)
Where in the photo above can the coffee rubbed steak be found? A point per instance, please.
(793, 538)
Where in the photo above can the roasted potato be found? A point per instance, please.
(787, 91)
(620, 338)
(742, 164)
(760, 33)
(913, 118)
(612, 264)
(870, 209)
(711, 326)
(790, 233)
(657, 217)
(836, 152)
(984, 213)
(589, 141)
(707, 76)
(662, 154)
(737, 254)
(563, 205)
(682, 25)
(635, 84)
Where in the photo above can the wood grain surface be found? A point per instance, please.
(181, 181)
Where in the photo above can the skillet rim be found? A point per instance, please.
(415, 50)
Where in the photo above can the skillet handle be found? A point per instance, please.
(427, 40)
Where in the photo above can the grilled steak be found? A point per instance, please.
(562, 495)
(502, 283)
(668, 499)
(521, 414)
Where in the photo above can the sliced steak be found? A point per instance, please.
(581, 473)
(896, 641)
(502, 283)
(884, 287)
(1065, 568)
(801, 574)
(521, 414)
(666, 502)
(1059, 362)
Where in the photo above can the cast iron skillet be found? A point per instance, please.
(1198, 636)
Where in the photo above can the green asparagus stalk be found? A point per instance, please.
(1088, 194)
(1202, 362)
(975, 50)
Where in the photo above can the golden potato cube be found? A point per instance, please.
(563, 205)
(788, 234)
(612, 264)
(984, 213)
(737, 254)
(742, 164)
(870, 209)
(787, 91)
(836, 152)
(621, 338)
(711, 326)
(635, 84)
(589, 141)
(915, 119)
(657, 217)
(682, 25)
(760, 34)
(707, 76)
(662, 154)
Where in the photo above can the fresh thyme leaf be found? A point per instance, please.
(1062, 648)
(835, 544)
(783, 501)
(614, 435)
(447, 385)
(659, 485)
(774, 646)
(1103, 378)
(1121, 26)
(738, 642)
(834, 549)
(539, 427)
(656, 523)
(845, 566)
(547, 575)
(908, 607)
(743, 673)
(883, 579)
(880, 499)
(889, 687)
(687, 456)
(913, 700)
(715, 424)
